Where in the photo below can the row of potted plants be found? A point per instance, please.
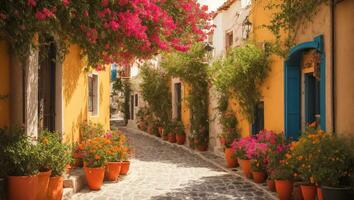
(104, 157)
(318, 165)
(33, 168)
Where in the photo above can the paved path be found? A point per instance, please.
(161, 171)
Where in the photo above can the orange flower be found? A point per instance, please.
(97, 157)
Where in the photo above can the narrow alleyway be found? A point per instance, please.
(161, 171)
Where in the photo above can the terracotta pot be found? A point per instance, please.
(308, 192)
(22, 187)
(245, 166)
(271, 185)
(231, 161)
(201, 147)
(43, 182)
(172, 138)
(94, 177)
(319, 193)
(160, 131)
(113, 170)
(55, 188)
(284, 189)
(125, 167)
(165, 137)
(297, 194)
(258, 177)
(181, 139)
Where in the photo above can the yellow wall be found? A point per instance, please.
(75, 95)
(4, 84)
(185, 108)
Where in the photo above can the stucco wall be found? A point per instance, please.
(4, 84)
(75, 95)
(344, 65)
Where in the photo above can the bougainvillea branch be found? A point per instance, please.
(106, 30)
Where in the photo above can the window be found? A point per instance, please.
(93, 94)
(258, 124)
(136, 100)
(229, 40)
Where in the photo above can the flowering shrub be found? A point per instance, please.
(259, 159)
(106, 30)
(118, 149)
(244, 148)
(96, 151)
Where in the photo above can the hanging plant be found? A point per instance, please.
(192, 69)
(240, 74)
(289, 16)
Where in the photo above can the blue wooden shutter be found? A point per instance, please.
(292, 100)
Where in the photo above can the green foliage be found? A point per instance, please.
(239, 74)
(176, 128)
(90, 130)
(156, 91)
(230, 131)
(54, 155)
(123, 86)
(289, 16)
(192, 70)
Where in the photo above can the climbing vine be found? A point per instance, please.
(289, 16)
(239, 74)
(155, 91)
(192, 69)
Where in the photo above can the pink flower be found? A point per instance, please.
(32, 3)
(66, 2)
(114, 25)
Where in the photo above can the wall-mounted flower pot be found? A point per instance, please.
(125, 168)
(333, 193)
(181, 139)
(43, 183)
(2, 188)
(55, 188)
(113, 170)
(231, 161)
(94, 177)
(22, 187)
(284, 189)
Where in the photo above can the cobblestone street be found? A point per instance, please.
(161, 171)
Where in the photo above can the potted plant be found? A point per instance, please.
(259, 163)
(165, 132)
(22, 158)
(244, 149)
(57, 162)
(283, 176)
(95, 159)
(114, 164)
(125, 153)
(201, 139)
(172, 133)
(180, 134)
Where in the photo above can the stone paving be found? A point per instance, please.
(160, 171)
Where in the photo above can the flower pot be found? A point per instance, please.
(43, 182)
(245, 166)
(55, 188)
(165, 137)
(258, 177)
(181, 139)
(94, 177)
(113, 170)
(319, 193)
(160, 131)
(230, 158)
(284, 189)
(22, 187)
(308, 192)
(171, 138)
(333, 193)
(2, 189)
(271, 185)
(201, 147)
(125, 167)
(297, 194)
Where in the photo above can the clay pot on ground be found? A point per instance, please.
(113, 170)
(22, 187)
(319, 193)
(258, 177)
(284, 189)
(231, 161)
(308, 192)
(125, 168)
(297, 194)
(181, 139)
(172, 138)
(245, 166)
(271, 185)
(94, 177)
(55, 188)
(43, 183)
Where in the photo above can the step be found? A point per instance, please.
(76, 180)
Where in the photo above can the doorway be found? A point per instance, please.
(46, 83)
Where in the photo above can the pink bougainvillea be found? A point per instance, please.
(134, 29)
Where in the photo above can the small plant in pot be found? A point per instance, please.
(22, 158)
(201, 139)
(283, 176)
(95, 152)
(172, 133)
(244, 149)
(180, 134)
(259, 163)
(114, 157)
(165, 132)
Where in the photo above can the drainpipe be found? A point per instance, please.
(333, 61)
